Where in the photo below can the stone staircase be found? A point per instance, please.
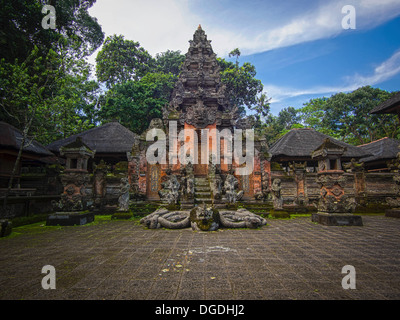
(202, 191)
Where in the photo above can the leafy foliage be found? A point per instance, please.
(135, 103)
(243, 89)
(122, 60)
(347, 117)
(21, 30)
(169, 62)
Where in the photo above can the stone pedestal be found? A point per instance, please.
(5, 227)
(122, 215)
(336, 219)
(335, 207)
(69, 218)
(393, 213)
(279, 214)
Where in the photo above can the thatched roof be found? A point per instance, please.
(382, 149)
(391, 105)
(11, 137)
(300, 143)
(111, 137)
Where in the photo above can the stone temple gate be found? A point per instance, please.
(204, 180)
(191, 165)
(198, 102)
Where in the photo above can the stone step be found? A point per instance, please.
(201, 200)
(201, 184)
(203, 195)
(187, 206)
(202, 188)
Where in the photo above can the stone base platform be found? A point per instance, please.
(5, 227)
(122, 215)
(279, 214)
(69, 218)
(393, 213)
(336, 219)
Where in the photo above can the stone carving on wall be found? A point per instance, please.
(74, 197)
(394, 166)
(215, 178)
(230, 187)
(200, 115)
(169, 192)
(333, 198)
(353, 166)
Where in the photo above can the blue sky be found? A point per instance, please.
(299, 48)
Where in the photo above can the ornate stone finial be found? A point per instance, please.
(199, 27)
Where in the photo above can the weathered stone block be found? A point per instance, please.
(69, 218)
(5, 227)
(279, 214)
(393, 213)
(336, 219)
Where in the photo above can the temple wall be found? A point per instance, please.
(369, 189)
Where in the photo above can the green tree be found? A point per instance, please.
(122, 60)
(261, 112)
(169, 62)
(276, 126)
(243, 89)
(21, 28)
(287, 117)
(25, 97)
(346, 116)
(135, 103)
(74, 102)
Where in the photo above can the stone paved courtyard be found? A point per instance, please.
(287, 259)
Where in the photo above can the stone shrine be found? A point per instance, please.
(198, 175)
(76, 200)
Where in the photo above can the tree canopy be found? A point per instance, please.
(347, 117)
(122, 60)
(48, 88)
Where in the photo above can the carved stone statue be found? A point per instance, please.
(241, 218)
(204, 218)
(276, 194)
(164, 218)
(214, 178)
(170, 190)
(123, 200)
(230, 187)
(189, 180)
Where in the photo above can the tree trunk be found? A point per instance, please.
(14, 171)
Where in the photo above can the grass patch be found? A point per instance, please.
(39, 227)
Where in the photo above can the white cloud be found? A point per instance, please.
(384, 71)
(156, 25)
(160, 25)
(322, 22)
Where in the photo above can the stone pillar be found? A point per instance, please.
(73, 208)
(394, 211)
(335, 207)
(299, 170)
